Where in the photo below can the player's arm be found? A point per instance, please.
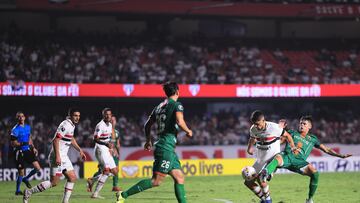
(56, 147)
(182, 124)
(150, 121)
(290, 140)
(78, 148)
(101, 142)
(332, 152)
(32, 147)
(251, 143)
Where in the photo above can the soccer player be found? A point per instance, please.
(103, 150)
(296, 162)
(115, 139)
(24, 151)
(59, 160)
(168, 116)
(266, 137)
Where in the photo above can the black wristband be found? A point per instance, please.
(24, 143)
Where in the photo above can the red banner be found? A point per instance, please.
(187, 91)
(181, 7)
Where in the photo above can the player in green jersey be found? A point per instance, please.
(168, 116)
(305, 142)
(115, 139)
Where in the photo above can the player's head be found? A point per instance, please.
(257, 118)
(106, 113)
(20, 117)
(113, 121)
(305, 124)
(74, 115)
(171, 88)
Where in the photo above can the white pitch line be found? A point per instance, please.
(223, 200)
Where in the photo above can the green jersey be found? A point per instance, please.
(306, 144)
(117, 137)
(165, 116)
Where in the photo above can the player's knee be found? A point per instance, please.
(156, 183)
(180, 180)
(106, 171)
(115, 171)
(72, 179)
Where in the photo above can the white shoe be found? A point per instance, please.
(309, 201)
(27, 195)
(93, 196)
(119, 198)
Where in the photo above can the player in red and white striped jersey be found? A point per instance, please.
(103, 150)
(266, 137)
(59, 159)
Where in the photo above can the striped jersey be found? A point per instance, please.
(103, 131)
(270, 135)
(65, 132)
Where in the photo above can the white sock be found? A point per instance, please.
(69, 186)
(258, 192)
(100, 184)
(96, 178)
(41, 187)
(267, 192)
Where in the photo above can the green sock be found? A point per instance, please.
(138, 187)
(180, 193)
(314, 179)
(116, 178)
(272, 166)
(97, 173)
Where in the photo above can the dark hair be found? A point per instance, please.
(256, 115)
(105, 110)
(71, 111)
(19, 112)
(307, 118)
(170, 88)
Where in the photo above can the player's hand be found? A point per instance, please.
(250, 151)
(346, 155)
(189, 134)
(82, 155)
(58, 161)
(296, 150)
(148, 146)
(35, 151)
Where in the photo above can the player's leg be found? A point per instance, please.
(142, 185)
(276, 162)
(179, 179)
(41, 187)
(31, 158)
(106, 162)
(19, 161)
(253, 185)
(314, 179)
(69, 185)
(90, 181)
(116, 177)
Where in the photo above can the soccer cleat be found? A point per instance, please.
(264, 175)
(119, 197)
(266, 201)
(19, 193)
(94, 196)
(89, 184)
(27, 195)
(116, 189)
(27, 183)
(309, 201)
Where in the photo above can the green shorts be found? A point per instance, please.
(165, 161)
(292, 163)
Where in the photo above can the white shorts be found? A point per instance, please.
(264, 155)
(56, 170)
(104, 158)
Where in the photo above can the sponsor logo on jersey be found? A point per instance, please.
(128, 89)
(194, 89)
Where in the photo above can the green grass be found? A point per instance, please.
(289, 188)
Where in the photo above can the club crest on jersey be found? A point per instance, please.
(62, 129)
(128, 89)
(194, 89)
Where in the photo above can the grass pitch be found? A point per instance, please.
(287, 188)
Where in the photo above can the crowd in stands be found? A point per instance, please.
(118, 58)
(221, 128)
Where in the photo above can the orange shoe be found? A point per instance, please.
(116, 189)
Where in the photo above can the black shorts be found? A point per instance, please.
(21, 157)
